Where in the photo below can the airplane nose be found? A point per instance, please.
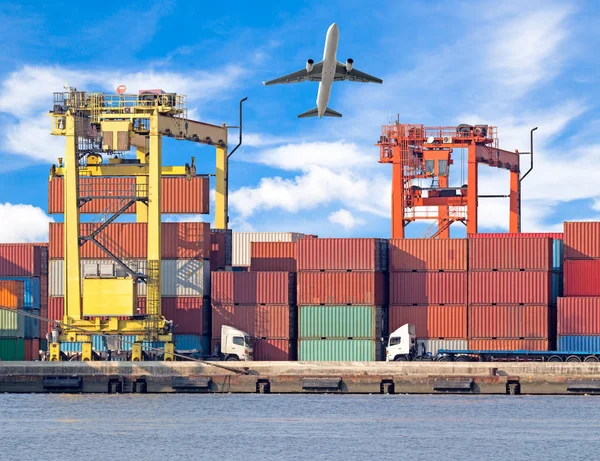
(333, 27)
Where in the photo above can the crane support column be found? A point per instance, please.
(472, 190)
(221, 202)
(141, 186)
(443, 213)
(397, 200)
(515, 203)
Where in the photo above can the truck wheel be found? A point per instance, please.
(445, 358)
(573, 358)
(400, 358)
(232, 358)
(463, 358)
(591, 358)
(555, 358)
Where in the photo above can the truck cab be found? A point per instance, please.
(402, 344)
(235, 344)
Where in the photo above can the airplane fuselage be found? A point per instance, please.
(329, 66)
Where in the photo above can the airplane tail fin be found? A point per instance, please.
(315, 113)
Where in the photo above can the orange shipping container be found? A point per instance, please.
(582, 240)
(11, 294)
(505, 235)
(335, 254)
(261, 321)
(578, 316)
(428, 288)
(273, 256)
(23, 259)
(448, 321)
(508, 344)
(220, 250)
(183, 240)
(509, 321)
(510, 254)
(428, 254)
(342, 288)
(253, 288)
(517, 287)
(179, 194)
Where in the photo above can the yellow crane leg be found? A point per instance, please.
(169, 352)
(221, 202)
(86, 352)
(136, 352)
(54, 352)
(141, 183)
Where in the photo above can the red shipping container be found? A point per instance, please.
(582, 277)
(582, 240)
(32, 349)
(578, 316)
(276, 350)
(342, 288)
(183, 240)
(43, 291)
(550, 235)
(428, 254)
(510, 254)
(439, 322)
(517, 287)
(428, 288)
(260, 321)
(508, 344)
(509, 321)
(253, 288)
(342, 254)
(220, 250)
(184, 311)
(273, 256)
(179, 194)
(23, 259)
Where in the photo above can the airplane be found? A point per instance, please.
(326, 72)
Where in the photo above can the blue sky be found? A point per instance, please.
(511, 64)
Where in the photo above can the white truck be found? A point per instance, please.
(235, 345)
(402, 345)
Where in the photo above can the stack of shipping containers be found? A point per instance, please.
(261, 303)
(241, 244)
(185, 263)
(579, 310)
(342, 298)
(428, 288)
(23, 273)
(514, 282)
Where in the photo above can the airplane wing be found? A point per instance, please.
(355, 75)
(300, 76)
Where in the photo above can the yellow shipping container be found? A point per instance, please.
(11, 294)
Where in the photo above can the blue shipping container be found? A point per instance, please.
(32, 326)
(558, 249)
(579, 343)
(557, 286)
(188, 343)
(31, 287)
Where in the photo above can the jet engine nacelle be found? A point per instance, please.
(309, 65)
(349, 64)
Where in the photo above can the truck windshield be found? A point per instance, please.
(395, 341)
(248, 341)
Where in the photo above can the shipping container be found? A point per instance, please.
(179, 240)
(31, 291)
(428, 254)
(428, 288)
(511, 254)
(339, 350)
(221, 249)
(179, 277)
(579, 344)
(505, 235)
(179, 194)
(12, 349)
(434, 345)
(43, 291)
(261, 321)
(578, 316)
(508, 321)
(340, 254)
(508, 344)
(188, 343)
(12, 324)
(331, 322)
(431, 321)
(582, 240)
(31, 349)
(517, 287)
(253, 288)
(269, 350)
(32, 325)
(23, 259)
(582, 277)
(242, 240)
(342, 288)
(558, 254)
(273, 256)
(12, 294)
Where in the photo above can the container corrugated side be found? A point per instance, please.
(428, 254)
(190, 343)
(220, 250)
(506, 235)
(342, 288)
(269, 350)
(432, 321)
(335, 254)
(582, 240)
(253, 288)
(12, 324)
(579, 344)
(22, 259)
(32, 325)
(185, 312)
(11, 293)
(578, 316)
(340, 322)
(242, 240)
(508, 344)
(12, 349)
(582, 277)
(517, 287)
(510, 254)
(261, 321)
(338, 350)
(509, 321)
(434, 345)
(31, 349)
(428, 288)
(31, 291)
(273, 256)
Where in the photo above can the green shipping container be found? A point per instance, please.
(12, 325)
(12, 349)
(340, 322)
(339, 350)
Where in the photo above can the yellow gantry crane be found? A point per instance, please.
(97, 125)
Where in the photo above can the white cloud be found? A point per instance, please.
(23, 223)
(263, 140)
(346, 219)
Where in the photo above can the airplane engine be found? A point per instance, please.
(349, 64)
(309, 65)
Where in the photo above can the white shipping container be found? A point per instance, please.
(179, 277)
(241, 243)
(434, 345)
